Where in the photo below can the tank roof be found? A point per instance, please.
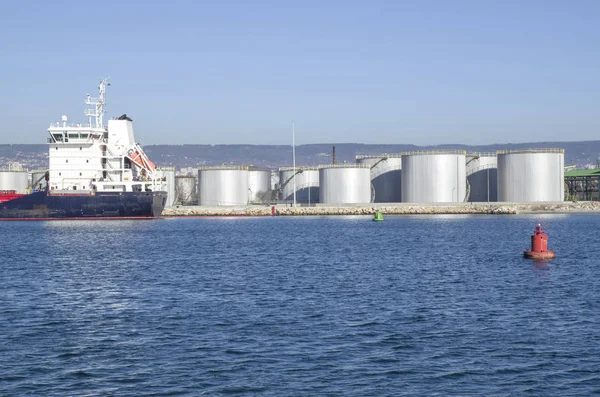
(223, 167)
(378, 156)
(347, 165)
(298, 169)
(257, 168)
(427, 152)
(481, 154)
(515, 151)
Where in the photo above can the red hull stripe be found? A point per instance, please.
(213, 216)
(88, 218)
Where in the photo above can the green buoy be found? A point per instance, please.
(378, 217)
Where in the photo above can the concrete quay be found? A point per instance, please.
(387, 209)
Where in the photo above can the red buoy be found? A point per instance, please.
(539, 245)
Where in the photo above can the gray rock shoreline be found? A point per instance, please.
(389, 209)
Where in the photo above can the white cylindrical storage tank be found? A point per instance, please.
(185, 190)
(17, 181)
(274, 180)
(531, 175)
(38, 179)
(307, 184)
(167, 175)
(345, 184)
(436, 176)
(386, 176)
(223, 185)
(259, 185)
(482, 171)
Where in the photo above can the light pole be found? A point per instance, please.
(294, 160)
(488, 186)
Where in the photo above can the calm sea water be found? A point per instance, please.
(435, 306)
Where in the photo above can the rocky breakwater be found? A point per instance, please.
(400, 209)
(389, 209)
(566, 206)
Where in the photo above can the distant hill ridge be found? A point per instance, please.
(272, 156)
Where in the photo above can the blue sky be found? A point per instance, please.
(209, 72)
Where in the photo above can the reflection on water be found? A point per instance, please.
(429, 305)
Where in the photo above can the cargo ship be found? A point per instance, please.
(95, 171)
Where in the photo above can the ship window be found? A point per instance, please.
(84, 136)
(80, 148)
(59, 174)
(57, 148)
(67, 160)
(87, 161)
(80, 174)
(73, 136)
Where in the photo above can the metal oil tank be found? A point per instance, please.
(274, 180)
(307, 184)
(386, 176)
(186, 192)
(531, 175)
(17, 180)
(436, 176)
(259, 185)
(482, 172)
(38, 179)
(223, 185)
(345, 184)
(167, 175)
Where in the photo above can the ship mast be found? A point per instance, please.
(95, 107)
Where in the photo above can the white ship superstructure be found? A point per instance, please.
(97, 158)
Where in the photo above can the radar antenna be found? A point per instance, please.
(95, 107)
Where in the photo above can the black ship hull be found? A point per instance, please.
(105, 205)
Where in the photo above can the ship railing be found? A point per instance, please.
(65, 192)
(70, 125)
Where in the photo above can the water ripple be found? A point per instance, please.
(435, 306)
